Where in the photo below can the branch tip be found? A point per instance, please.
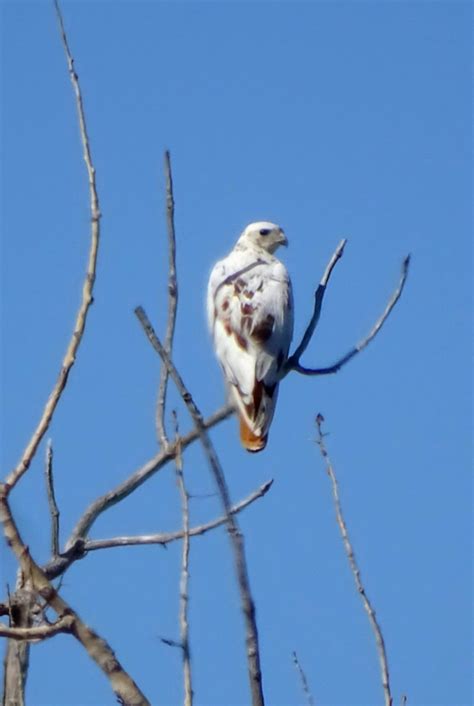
(87, 290)
(354, 567)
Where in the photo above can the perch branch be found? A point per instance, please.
(379, 641)
(168, 537)
(184, 581)
(87, 292)
(304, 681)
(294, 364)
(97, 648)
(43, 632)
(53, 506)
(172, 303)
(293, 361)
(237, 542)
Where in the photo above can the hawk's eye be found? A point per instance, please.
(265, 231)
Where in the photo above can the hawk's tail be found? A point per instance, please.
(249, 440)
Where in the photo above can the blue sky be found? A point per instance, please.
(344, 119)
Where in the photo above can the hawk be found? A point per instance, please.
(250, 311)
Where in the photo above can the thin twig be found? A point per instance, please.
(237, 542)
(97, 648)
(379, 641)
(172, 303)
(167, 537)
(42, 632)
(184, 582)
(304, 681)
(169, 642)
(53, 506)
(87, 291)
(293, 363)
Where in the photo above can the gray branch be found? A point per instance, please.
(42, 632)
(16, 659)
(164, 538)
(97, 648)
(303, 680)
(184, 581)
(87, 292)
(172, 303)
(22, 605)
(75, 544)
(237, 542)
(293, 361)
(376, 629)
(53, 506)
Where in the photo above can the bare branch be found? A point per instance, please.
(87, 292)
(172, 303)
(97, 648)
(39, 633)
(128, 486)
(379, 641)
(304, 681)
(293, 361)
(295, 365)
(21, 608)
(53, 506)
(184, 582)
(237, 542)
(167, 537)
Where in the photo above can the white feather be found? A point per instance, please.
(250, 312)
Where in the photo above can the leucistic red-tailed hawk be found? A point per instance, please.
(250, 310)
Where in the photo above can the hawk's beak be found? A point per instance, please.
(283, 239)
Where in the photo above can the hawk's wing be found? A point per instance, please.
(250, 313)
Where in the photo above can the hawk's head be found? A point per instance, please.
(265, 235)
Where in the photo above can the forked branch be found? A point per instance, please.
(376, 629)
(248, 607)
(42, 632)
(128, 486)
(97, 648)
(293, 362)
(164, 538)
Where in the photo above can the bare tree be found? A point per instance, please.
(28, 607)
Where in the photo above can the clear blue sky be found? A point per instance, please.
(333, 119)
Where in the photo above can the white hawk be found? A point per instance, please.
(250, 311)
